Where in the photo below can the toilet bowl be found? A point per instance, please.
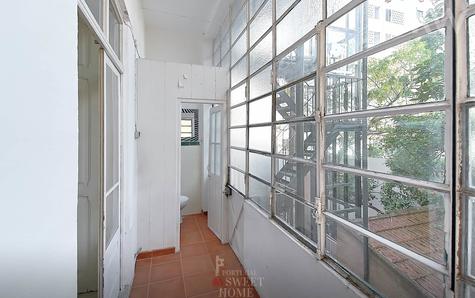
(183, 201)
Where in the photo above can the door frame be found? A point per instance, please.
(224, 159)
(106, 62)
(107, 56)
(221, 110)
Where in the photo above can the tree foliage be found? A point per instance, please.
(412, 145)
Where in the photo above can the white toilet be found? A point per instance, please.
(183, 201)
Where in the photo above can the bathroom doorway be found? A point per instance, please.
(202, 170)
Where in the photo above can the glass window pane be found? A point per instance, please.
(226, 62)
(471, 237)
(281, 6)
(410, 73)
(261, 84)
(261, 23)
(254, 5)
(217, 161)
(239, 49)
(260, 111)
(239, 71)
(238, 137)
(216, 44)
(358, 30)
(238, 116)
(297, 178)
(409, 216)
(212, 158)
(217, 130)
(238, 95)
(259, 193)
(469, 290)
(471, 147)
(238, 159)
(260, 138)
(404, 145)
(297, 215)
(471, 56)
(296, 101)
(297, 23)
(96, 8)
(114, 30)
(389, 272)
(335, 5)
(226, 44)
(260, 166)
(284, 208)
(296, 140)
(239, 23)
(112, 215)
(112, 128)
(261, 54)
(237, 180)
(216, 58)
(298, 63)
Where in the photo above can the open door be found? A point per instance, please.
(89, 164)
(111, 181)
(215, 173)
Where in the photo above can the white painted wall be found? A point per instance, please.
(191, 165)
(161, 86)
(176, 46)
(129, 165)
(158, 154)
(39, 149)
(285, 267)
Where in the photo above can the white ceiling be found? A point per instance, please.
(196, 17)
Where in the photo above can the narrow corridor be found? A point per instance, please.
(192, 272)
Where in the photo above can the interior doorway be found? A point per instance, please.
(89, 163)
(98, 210)
(202, 168)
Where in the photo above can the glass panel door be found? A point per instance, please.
(111, 202)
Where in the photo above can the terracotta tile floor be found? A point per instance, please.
(192, 272)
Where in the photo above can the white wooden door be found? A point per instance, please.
(89, 166)
(111, 182)
(215, 199)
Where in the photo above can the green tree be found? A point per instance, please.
(412, 145)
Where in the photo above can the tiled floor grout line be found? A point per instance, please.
(182, 275)
(149, 277)
(197, 223)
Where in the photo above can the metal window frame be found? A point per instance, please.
(443, 22)
(463, 10)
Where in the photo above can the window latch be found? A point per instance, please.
(318, 212)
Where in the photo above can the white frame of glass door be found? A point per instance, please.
(108, 63)
(463, 259)
(107, 56)
(102, 31)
